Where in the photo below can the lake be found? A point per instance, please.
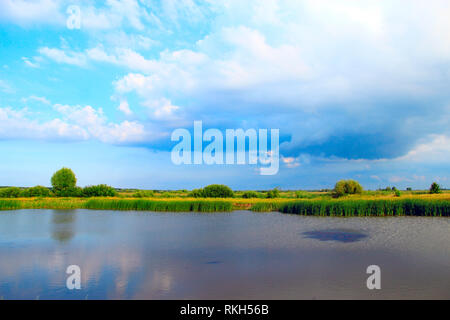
(237, 255)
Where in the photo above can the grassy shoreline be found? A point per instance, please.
(412, 205)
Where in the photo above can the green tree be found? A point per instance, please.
(217, 191)
(344, 187)
(435, 188)
(64, 183)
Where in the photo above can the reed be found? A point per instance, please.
(9, 204)
(358, 208)
(267, 206)
(347, 207)
(157, 205)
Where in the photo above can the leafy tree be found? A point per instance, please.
(217, 191)
(64, 183)
(435, 188)
(344, 187)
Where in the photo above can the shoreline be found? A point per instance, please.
(347, 207)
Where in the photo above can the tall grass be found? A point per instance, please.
(9, 204)
(155, 205)
(352, 208)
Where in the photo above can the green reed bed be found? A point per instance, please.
(155, 205)
(266, 206)
(358, 208)
(9, 205)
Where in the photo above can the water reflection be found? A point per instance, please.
(63, 225)
(335, 235)
(239, 255)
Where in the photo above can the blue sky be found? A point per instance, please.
(358, 89)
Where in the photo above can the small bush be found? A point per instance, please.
(344, 187)
(168, 195)
(303, 195)
(37, 191)
(397, 193)
(69, 192)
(101, 190)
(143, 194)
(12, 192)
(217, 191)
(250, 194)
(435, 188)
(196, 193)
(274, 193)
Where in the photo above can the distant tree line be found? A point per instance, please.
(64, 184)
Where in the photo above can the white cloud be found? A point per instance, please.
(113, 15)
(32, 64)
(74, 123)
(17, 125)
(61, 56)
(435, 149)
(95, 123)
(125, 108)
(290, 162)
(24, 12)
(162, 109)
(116, 14)
(42, 100)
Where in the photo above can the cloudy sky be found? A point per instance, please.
(358, 89)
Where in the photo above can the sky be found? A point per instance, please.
(358, 89)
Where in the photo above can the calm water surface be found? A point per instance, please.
(239, 255)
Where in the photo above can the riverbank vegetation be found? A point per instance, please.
(359, 208)
(348, 198)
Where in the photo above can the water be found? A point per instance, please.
(238, 255)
